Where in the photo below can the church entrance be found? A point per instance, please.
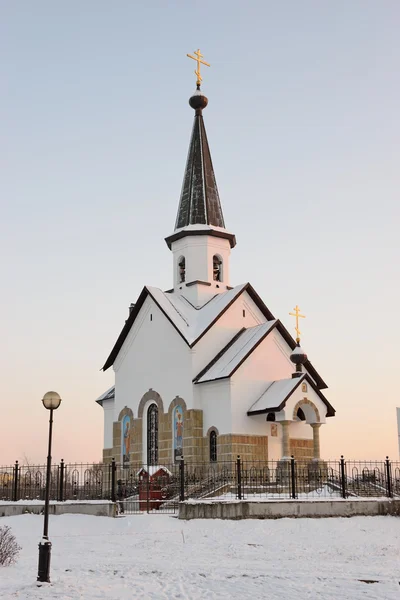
(152, 435)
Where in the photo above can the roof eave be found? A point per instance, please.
(178, 235)
(330, 410)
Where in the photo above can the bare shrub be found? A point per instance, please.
(9, 548)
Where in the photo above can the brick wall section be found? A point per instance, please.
(248, 447)
(136, 441)
(164, 438)
(302, 449)
(108, 454)
(196, 446)
(193, 442)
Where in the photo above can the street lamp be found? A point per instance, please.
(51, 401)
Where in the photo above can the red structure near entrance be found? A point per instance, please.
(153, 482)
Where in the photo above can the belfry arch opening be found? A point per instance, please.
(181, 269)
(217, 268)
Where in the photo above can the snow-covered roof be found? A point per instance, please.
(191, 322)
(235, 353)
(298, 350)
(276, 393)
(151, 470)
(108, 395)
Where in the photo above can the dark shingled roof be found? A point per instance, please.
(199, 203)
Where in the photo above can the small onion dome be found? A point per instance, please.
(198, 101)
(298, 356)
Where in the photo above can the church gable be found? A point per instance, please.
(243, 327)
(153, 356)
(235, 352)
(190, 323)
(150, 333)
(289, 395)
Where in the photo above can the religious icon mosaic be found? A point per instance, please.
(126, 439)
(178, 432)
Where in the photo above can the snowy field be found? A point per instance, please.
(158, 556)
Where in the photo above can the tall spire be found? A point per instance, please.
(199, 203)
(200, 244)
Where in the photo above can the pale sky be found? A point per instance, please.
(303, 125)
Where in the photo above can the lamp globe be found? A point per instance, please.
(51, 400)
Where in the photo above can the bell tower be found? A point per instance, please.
(200, 244)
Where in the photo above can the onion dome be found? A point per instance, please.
(198, 101)
(298, 356)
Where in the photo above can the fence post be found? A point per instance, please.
(113, 471)
(61, 490)
(388, 477)
(293, 477)
(343, 476)
(239, 478)
(15, 487)
(181, 480)
(148, 490)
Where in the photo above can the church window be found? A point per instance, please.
(304, 387)
(301, 415)
(217, 268)
(151, 317)
(213, 446)
(244, 313)
(181, 269)
(152, 434)
(271, 417)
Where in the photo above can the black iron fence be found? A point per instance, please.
(137, 488)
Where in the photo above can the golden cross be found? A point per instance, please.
(199, 62)
(298, 316)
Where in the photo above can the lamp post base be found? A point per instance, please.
(44, 561)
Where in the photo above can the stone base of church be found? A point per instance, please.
(196, 442)
(248, 447)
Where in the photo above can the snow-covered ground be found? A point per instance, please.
(159, 556)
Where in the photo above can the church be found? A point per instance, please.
(205, 370)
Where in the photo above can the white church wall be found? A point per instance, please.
(108, 407)
(194, 250)
(268, 362)
(215, 401)
(198, 251)
(274, 442)
(152, 356)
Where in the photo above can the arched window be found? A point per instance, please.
(213, 446)
(217, 268)
(181, 269)
(271, 417)
(152, 435)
